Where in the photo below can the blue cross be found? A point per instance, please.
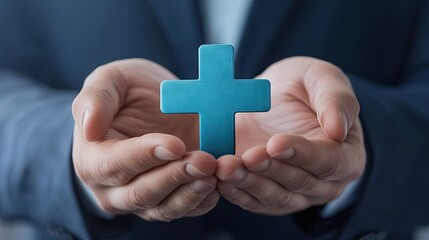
(216, 96)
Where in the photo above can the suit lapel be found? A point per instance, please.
(265, 20)
(181, 24)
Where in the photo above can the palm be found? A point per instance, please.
(141, 114)
(291, 113)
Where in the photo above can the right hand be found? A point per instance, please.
(135, 159)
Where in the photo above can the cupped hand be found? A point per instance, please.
(305, 150)
(133, 158)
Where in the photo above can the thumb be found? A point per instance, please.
(98, 102)
(332, 98)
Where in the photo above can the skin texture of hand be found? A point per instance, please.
(135, 159)
(305, 150)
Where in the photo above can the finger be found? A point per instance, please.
(324, 159)
(229, 166)
(259, 202)
(292, 178)
(149, 189)
(117, 162)
(181, 201)
(331, 97)
(256, 159)
(240, 198)
(99, 100)
(206, 205)
(268, 192)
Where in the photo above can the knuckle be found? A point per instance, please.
(145, 151)
(166, 215)
(336, 168)
(106, 94)
(282, 200)
(209, 202)
(307, 156)
(138, 198)
(276, 172)
(250, 204)
(176, 175)
(181, 203)
(190, 196)
(252, 185)
(329, 172)
(204, 207)
(305, 184)
(109, 173)
(231, 194)
(133, 200)
(143, 157)
(243, 181)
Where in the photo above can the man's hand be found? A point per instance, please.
(134, 158)
(305, 150)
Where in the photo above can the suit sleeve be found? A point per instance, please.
(36, 177)
(35, 144)
(395, 190)
(37, 181)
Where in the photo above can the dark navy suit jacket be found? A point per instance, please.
(48, 47)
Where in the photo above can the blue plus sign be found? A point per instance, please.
(216, 96)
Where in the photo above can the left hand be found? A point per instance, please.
(305, 150)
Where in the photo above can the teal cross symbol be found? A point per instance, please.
(216, 96)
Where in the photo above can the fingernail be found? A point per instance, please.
(85, 117)
(238, 174)
(345, 122)
(194, 171)
(286, 154)
(163, 154)
(201, 186)
(261, 166)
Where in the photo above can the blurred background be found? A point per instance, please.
(24, 231)
(15, 230)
